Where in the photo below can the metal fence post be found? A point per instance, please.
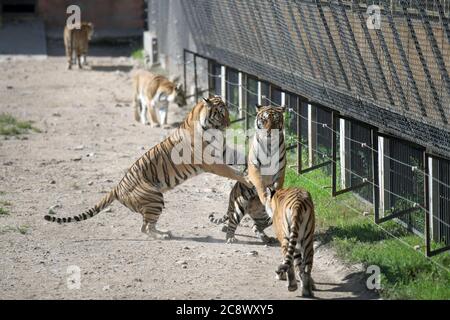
(333, 150)
(375, 175)
(299, 136)
(195, 78)
(426, 206)
(184, 69)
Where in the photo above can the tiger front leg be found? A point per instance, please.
(263, 236)
(79, 61)
(261, 222)
(154, 122)
(84, 60)
(69, 58)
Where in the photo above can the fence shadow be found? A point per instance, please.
(112, 68)
(352, 283)
(209, 239)
(55, 48)
(362, 233)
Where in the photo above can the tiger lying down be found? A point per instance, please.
(141, 189)
(262, 157)
(292, 211)
(151, 96)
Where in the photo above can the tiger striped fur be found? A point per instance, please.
(142, 187)
(292, 212)
(244, 200)
(151, 96)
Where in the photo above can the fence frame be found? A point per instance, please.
(335, 116)
(428, 214)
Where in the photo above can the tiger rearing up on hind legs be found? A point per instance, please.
(159, 169)
(266, 165)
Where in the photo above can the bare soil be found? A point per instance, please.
(89, 139)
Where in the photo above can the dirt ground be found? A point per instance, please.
(88, 139)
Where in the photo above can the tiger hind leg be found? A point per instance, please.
(304, 265)
(238, 206)
(150, 206)
(234, 218)
(287, 266)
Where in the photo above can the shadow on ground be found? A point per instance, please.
(111, 68)
(347, 284)
(55, 48)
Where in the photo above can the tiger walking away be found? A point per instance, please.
(245, 200)
(292, 212)
(152, 94)
(141, 189)
(76, 42)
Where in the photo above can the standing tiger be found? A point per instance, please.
(262, 156)
(292, 212)
(76, 42)
(158, 170)
(151, 96)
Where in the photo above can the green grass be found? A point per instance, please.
(10, 126)
(138, 54)
(406, 273)
(23, 229)
(3, 211)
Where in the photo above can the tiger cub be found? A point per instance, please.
(244, 200)
(158, 170)
(76, 42)
(292, 212)
(151, 96)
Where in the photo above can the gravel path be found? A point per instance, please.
(88, 140)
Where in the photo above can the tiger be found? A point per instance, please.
(142, 187)
(292, 213)
(76, 42)
(151, 96)
(243, 199)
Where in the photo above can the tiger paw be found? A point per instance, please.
(268, 240)
(281, 276)
(292, 287)
(231, 240)
(159, 235)
(282, 268)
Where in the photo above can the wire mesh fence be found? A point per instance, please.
(369, 103)
(394, 77)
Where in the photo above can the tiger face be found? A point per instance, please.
(215, 114)
(269, 118)
(180, 96)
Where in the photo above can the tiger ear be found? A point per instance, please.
(283, 108)
(207, 101)
(175, 79)
(257, 107)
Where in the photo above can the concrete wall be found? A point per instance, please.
(122, 17)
